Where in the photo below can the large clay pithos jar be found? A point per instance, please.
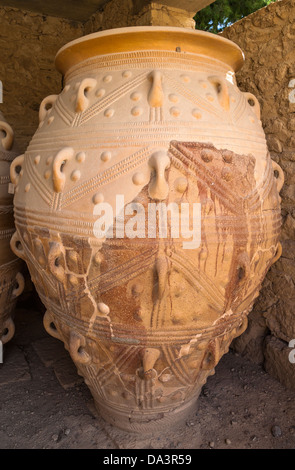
(11, 279)
(148, 115)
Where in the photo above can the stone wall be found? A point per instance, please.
(267, 39)
(119, 14)
(28, 44)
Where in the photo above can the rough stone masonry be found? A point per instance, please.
(267, 39)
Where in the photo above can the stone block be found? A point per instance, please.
(66, 373)
(50, 350)
(280, 319)
(277, 361)
(250, 344)
(14, 367)
(274, 144)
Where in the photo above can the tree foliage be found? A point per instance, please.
(215, 17)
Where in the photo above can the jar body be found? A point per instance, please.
(145, 305)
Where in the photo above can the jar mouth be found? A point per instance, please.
(143, 38)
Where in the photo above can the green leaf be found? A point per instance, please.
(222, 13)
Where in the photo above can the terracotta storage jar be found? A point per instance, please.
(11, 279)
(148, 116)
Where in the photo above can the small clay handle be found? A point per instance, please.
(20, 285)
(9, 326)
(7, 141)
(14, 175)
(256, 106)
(59, 178)
(213, 354)
(43, 110)
(82, 101)
(222, 91)
(278, 252)
(50, 326)
(55, 252)
(77, 351)
(16, 246)
(242, 327)
(243, 267)
(281, 178)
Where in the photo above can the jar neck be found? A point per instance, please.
(142, 39)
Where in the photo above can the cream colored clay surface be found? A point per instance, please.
(144, 319)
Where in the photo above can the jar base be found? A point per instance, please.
(148, 421)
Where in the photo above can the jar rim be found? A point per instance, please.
(143, 38)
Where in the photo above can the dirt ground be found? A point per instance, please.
(44, 404)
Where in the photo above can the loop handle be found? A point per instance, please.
(16, 246)
(256, 107)
(281, 178)
(59, 178)
(55, 252)
(9, 326)
(222, 91)
(77, 351)
(43, 110)
(50, 326)
(7, 141)
(82, 101)
(20, 287)
(278, 252)
(14, 175)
